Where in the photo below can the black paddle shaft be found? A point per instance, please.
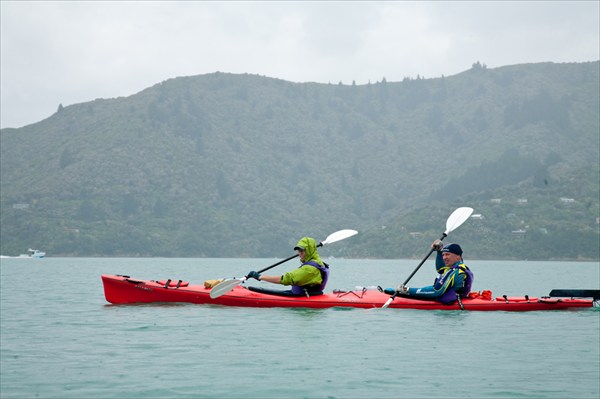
(418, 267)
(423, 261)
(285, 260)
(564, 293)
(277, 264)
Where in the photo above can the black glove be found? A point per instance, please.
(437, 245)
(255, 275)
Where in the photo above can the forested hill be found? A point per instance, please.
(225, 165)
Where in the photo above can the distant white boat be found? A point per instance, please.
(31, 253)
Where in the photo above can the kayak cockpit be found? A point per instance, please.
(286, 293)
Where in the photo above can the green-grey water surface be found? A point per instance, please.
(61, 339)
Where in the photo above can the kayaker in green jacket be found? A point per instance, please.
(311, 276)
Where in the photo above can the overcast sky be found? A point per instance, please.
(69, 52)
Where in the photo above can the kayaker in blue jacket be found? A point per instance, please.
(310, 277)
(454, 278)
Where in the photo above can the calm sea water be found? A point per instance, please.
(61, 339)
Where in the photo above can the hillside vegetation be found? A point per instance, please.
(225, 165)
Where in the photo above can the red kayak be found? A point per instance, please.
(124, 289)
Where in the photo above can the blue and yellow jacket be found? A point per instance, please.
(453, 281)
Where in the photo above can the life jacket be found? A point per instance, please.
(451, 294)
(296, 289)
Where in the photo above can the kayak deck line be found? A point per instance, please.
(120, 289)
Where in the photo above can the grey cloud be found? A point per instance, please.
(68, 52)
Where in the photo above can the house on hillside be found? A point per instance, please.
(519, 233)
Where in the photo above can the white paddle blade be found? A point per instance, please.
(387, 303)
(338, 236)
(225, 286)
(457, 218)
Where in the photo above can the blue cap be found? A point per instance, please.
(453, 249)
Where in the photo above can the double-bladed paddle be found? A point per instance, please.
(228, 285)
(565, 293)
(458, 217)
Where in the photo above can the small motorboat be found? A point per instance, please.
(31, 253)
